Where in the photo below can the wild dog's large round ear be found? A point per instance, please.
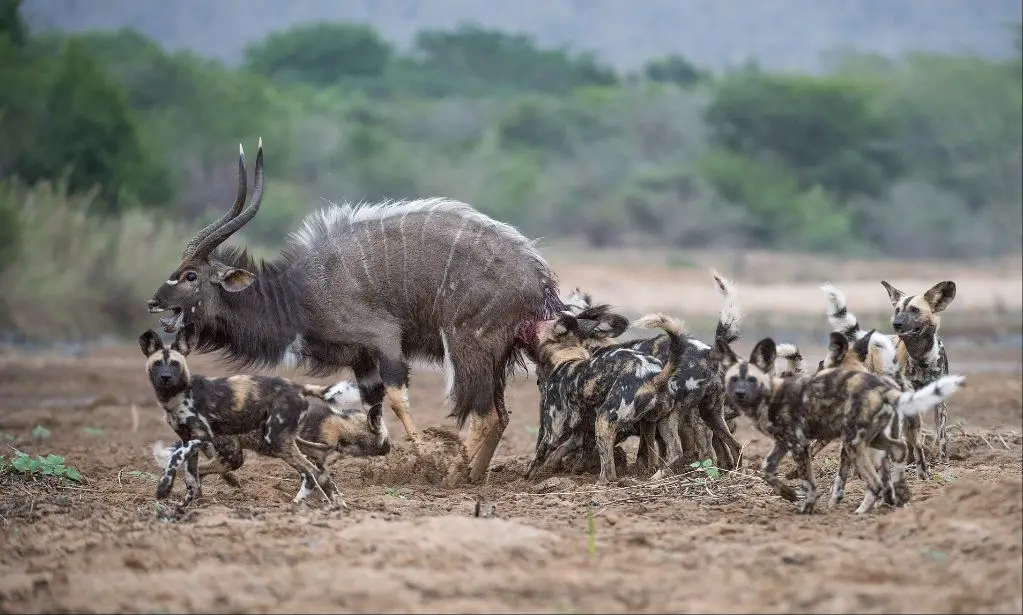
(187, 339)
(894, 294)
(150, 342)
(940, 295)
(862, 345)
(764, 355)
(838, 345)
(723, 353)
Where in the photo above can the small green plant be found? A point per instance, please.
(531, 429)
(394, 492)
(707, 467)
(94, 432)
(147, 476)
(41, 432)
(947, 477)
(50, 465)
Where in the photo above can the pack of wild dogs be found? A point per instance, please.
(372, 287)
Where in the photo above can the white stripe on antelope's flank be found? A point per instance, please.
(449, 366)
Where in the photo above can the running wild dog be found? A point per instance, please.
(855, 405)
(339, 427)
(920, 353)
(372, 287)
(613, 390)
(698, 389)
(198, 409)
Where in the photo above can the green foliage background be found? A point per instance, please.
(106, 133)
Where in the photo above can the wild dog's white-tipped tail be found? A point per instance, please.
(839, 317)
(161, 453)
(792, 354)
(661, 321)
(916, 402)
(730, 317)
(343, 394)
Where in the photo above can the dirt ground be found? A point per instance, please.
(409, 543)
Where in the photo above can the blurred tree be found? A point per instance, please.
(826, 130)
(320, 53)
(476, 55)
(12, 26)
(674, 69)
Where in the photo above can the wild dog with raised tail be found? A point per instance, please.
(698, 388)
(612, 391)
(854, 405)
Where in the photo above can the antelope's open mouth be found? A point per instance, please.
(171, 323)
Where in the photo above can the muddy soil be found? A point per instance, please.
(410, 543)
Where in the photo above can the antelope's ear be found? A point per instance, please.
(764, 355)
(894, 294)
(187, 339)
(150, 342)
(723, 353)
(232, 279)
(940, 295)
(838, 345)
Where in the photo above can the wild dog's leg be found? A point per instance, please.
(890, 454)
(940, 421)
(846, 463)
(801, 455)
(228, 457)
(604, 430)
(911, 428)
(177, 458)
(193, 486)
(667, 428)
(769, 471)
(713, 416)
(866, 469)
(816, 447)
(394, 376)
(647, 453)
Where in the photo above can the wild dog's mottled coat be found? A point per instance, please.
(199, 409)
(338, 427)
(831, 403)
(698, 387)
(611, 390)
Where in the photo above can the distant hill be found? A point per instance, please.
(780, 34)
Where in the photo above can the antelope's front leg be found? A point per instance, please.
(394, 381)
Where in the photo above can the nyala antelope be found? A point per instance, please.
(920, 352)
(612, 390)
(198, 409)
(336, 427)
(855, 405)
(370, 288)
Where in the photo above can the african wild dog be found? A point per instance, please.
(337, 426)
(198, 409)
(833, 402)
(698, 391)
(613, 390)
(920, 352)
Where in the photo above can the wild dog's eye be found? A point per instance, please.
(733, 379)
(914, 310)
(190, 276)
(751, 379)
(158, 363)
(175, 364)
(897, 310)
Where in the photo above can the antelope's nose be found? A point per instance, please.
(152, 303)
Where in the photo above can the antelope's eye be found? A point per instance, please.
(190, 276)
